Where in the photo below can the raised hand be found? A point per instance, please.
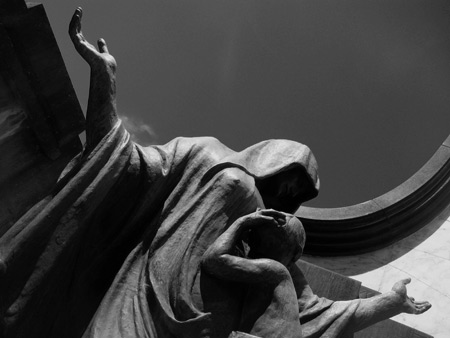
(101, 113)
(409, 305)
(88, 51)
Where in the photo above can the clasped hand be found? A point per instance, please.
(264, 217)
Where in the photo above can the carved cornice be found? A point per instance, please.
(384, 220)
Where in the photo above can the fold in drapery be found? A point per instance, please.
(115, 251)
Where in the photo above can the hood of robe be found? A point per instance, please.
(268, 158)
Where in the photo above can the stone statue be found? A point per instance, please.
(178, 240)
(270, 307)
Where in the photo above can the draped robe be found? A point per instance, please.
(115, 250)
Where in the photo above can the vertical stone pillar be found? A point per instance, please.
(40, 117)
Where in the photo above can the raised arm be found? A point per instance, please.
(101, 115)
(220, 259)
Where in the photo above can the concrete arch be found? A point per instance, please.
(376, 223)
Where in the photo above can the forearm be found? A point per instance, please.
(238, 269)
(101, 115)
(217, 258)
(302, 288)
(375, 309)
(222, 260)
(224, 244)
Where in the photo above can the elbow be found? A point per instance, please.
(207, 262)
(212, 263)
(209, 259)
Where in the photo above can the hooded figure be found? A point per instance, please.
(119, 243)
(210, 188)
(115, 250)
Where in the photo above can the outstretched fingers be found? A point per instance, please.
(421, 307)
(268, 220)
(75, 22)
(410, 305)
(279, 216)
(75, 27)
(84, 48)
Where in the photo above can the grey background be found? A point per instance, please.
(364, 83)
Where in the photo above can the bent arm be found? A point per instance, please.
(101, 115)
(244, 270)
(221, 261)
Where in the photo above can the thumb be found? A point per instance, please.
(102, 46)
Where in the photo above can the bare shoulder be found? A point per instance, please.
(273, 271)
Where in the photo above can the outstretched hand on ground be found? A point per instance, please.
(409, 304)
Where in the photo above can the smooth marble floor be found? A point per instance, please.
(424, 257)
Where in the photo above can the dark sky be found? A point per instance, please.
(366, 84)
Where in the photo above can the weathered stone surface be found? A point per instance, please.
(337, 287)
(138, 242)
(40, 117)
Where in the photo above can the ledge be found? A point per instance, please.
(383, 220)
